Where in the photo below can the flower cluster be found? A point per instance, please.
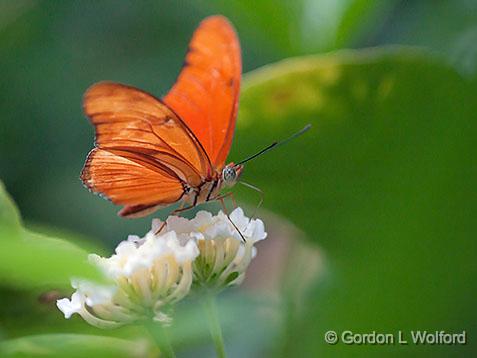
(150, 274)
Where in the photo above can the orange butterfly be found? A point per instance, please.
(151, 153)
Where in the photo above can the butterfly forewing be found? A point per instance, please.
(206, 93)
(129, 119)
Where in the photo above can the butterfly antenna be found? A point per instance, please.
(276, 144)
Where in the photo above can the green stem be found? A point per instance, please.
(214, 325)
(161, 338)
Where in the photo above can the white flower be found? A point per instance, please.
(149, 274)
(69, 307)
(226, 245)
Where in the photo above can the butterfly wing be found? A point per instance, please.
(130, 179)
(145, 154)
(206, 93)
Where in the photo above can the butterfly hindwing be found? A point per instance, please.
(128, 179)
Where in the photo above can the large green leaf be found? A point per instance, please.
(74, 345)
(28, 259)
(384, 181)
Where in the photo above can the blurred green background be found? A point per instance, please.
(383, 183)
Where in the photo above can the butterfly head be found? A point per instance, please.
(231, 173)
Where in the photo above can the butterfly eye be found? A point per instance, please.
(229, 174)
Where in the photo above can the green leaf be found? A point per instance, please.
(73, 345)
(9, 216)
(384, 181)
(35, 260)
(30, 260)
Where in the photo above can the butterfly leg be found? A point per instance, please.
(178, 210)
(163, 225)
(232, 197)
(221, 199)
(222, 202)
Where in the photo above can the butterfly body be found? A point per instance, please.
(150, 152)
(210, 189)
